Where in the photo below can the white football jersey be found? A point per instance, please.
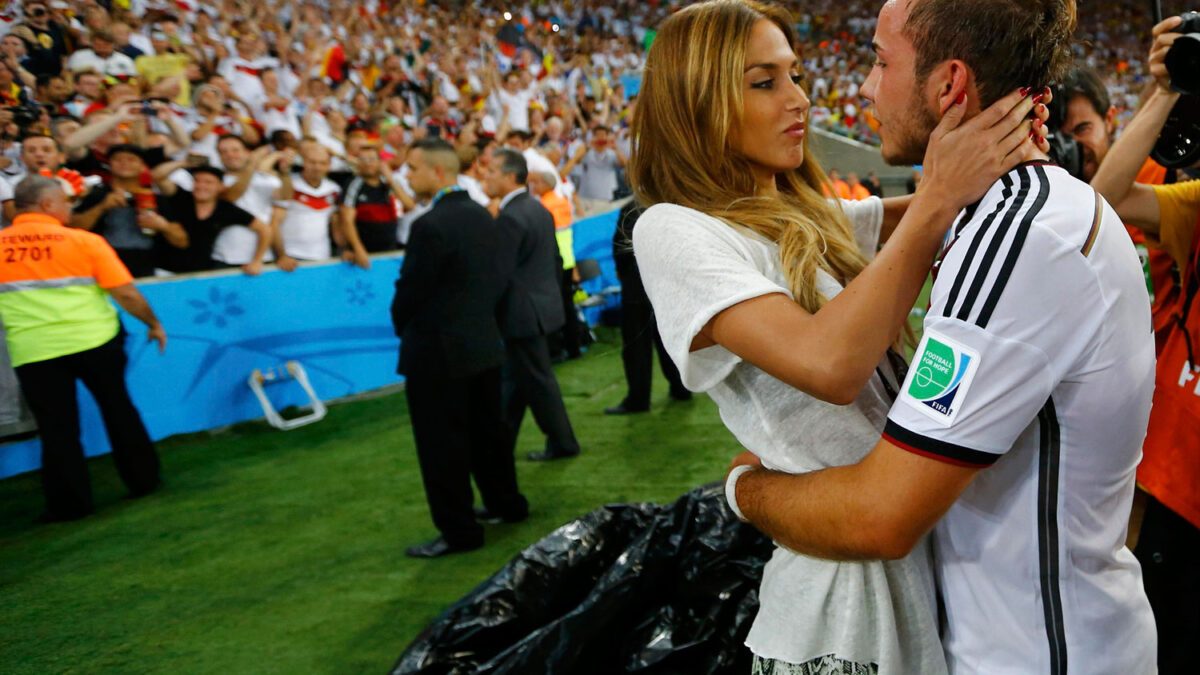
(1037, 365)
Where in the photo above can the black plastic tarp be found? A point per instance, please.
(628, 588)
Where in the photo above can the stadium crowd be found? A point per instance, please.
(301, 114)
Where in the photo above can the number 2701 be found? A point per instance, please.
(22, 253)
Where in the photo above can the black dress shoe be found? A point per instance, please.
(684, 395)
(438, 548)
(549, 456)
(485, 516)
(622, 409)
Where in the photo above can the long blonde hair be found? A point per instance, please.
(690, 101)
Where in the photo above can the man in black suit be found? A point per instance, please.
(532, 308)
(455, 270)
(639, 331)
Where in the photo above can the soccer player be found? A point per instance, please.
(1019, 427)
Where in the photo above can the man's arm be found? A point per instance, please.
(131, 300)
(354, 251)
(173, 232)
(234, 192)
(877, 509)
(255, 266)
(161, 175)
(423, 260)
(86, 135)
(282, 259)
(86, 219)
(1114, 180)
(406, 200)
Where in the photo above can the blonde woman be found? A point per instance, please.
(765, 300)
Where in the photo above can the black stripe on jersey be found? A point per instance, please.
(993, 249)
(935, 449)
(1014, 251)
(974, 247)
(967, 214)
(1048, 477)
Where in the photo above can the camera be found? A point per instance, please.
(1183, 58)
(1178, 144)
(26, 114)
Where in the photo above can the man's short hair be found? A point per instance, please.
(235, 137)
(127, 148)
(521, 134)
(52, 139)
(512, 163)
(27, 195)
(1008, 43)
(467, 155)
(440, 153)
(1085, 82)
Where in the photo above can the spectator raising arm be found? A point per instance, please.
(282, 259)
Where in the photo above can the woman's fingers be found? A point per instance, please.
(1014, 105)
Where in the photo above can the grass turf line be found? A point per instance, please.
(269, 551)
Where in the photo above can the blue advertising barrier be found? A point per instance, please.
(332, 317)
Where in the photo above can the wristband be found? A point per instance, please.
(731, 489)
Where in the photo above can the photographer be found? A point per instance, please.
(1169, 216)
(1090, 118)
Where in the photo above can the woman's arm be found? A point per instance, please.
(831, 354)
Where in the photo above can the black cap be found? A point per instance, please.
(207, 168)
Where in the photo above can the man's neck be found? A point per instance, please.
(452, 183)
(128, 184)
(312, 183)
(205, 209)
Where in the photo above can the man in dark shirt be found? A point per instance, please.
(45, 40)
(124, 212)
(368, 208)
(202, 214)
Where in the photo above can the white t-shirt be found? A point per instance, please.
(1037, 366)
(695, 266)
(305, 228)
(518, 106)
(116, 64)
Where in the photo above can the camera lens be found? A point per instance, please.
(1183, 64)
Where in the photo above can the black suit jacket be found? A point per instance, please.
(533, 304)
(454, 273)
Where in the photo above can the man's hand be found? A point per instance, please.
(115, 199)
(1164, 37)
(157, 334)
(287, 263)
(253, 269)
(151, 220)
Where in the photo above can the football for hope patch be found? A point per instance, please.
(939, 376)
